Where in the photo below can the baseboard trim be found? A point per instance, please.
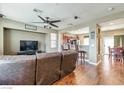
(95, 64)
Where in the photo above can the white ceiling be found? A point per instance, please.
(24, 12)
(112, 25)
(84, 30)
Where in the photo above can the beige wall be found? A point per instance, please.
(6, 23)
(12, 40)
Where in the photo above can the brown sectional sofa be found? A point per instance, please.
(68, 64)
(48, 68)
(17, 70)
(39, 69)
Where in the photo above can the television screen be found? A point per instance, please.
(28, 45)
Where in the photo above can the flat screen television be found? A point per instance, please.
(26, 45)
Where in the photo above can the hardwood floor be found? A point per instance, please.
(108, 72)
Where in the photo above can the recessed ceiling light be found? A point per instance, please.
(57, 3)
(110, 9)
(111, 23)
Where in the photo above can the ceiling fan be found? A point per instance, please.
(47, 21)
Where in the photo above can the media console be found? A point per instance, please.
(31, 52)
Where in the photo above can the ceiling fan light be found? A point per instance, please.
(37, 10)
(48, 22)
(1, 15)
(110, 9)
(111, 23)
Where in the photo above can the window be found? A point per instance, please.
(53, 40)
(86, 40)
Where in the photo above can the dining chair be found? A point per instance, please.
(118, 54)
(81, 53)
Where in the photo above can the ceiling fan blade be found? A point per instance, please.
(37, 22)
(53, 25)
(55, 21)
(42, 18)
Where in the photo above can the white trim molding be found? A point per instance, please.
(92, 63)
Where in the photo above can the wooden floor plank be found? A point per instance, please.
(108, 72)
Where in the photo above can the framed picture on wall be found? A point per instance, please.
(30, 27)
(92, 35)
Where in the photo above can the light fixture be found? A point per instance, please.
(56, 3)
(1, 15)
(76, 17)
(50, 27)
(47, 26)
(110, 9)
(111, 23)
(37, 10)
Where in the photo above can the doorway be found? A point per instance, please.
(108, 42)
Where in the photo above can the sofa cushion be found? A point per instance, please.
(17, 70)
(68, 64)
(48, 68)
